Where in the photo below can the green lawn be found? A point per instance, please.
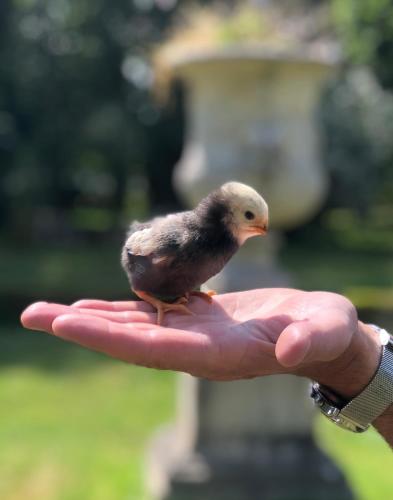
(321, 269)
(366, 459)
(74, 425)
(78, 271)
(62, 273)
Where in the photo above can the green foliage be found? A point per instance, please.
(357, 125)
(76, 113)
(357, 107)
(366, 28)
(248, 24)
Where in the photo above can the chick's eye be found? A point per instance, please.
(249, 215)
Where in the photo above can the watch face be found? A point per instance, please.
(333, 413)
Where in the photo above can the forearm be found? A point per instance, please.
(384, 425)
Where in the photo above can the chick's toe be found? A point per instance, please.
(207, 296)
(164, 307)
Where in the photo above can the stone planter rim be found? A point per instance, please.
(232, 54)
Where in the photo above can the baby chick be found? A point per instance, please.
(168, 258)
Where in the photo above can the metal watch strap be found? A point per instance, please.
(357, 414)
(377, 396)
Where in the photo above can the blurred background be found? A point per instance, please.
(87, 143)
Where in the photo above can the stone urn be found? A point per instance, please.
(251, 118)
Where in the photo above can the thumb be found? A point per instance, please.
(322, 338)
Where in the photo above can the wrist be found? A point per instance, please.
(358, 388)
(352, 371)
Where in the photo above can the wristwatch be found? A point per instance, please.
(357, 414)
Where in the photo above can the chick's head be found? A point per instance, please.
(249, 211)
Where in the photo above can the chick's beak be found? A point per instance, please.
(259, 229)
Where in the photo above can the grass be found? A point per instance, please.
(74, 424)
(337, 270)
(365, 459)
(364, 277)
(66, 274)
(62, 272)
(348, 254)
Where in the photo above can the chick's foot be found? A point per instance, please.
(163, 307)
(204, 295)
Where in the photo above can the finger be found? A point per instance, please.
(322, 338)
(39, 316)
(126, 316)
(126, 305)
(142, 344)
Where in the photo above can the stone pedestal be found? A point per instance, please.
(232, 442)
(250, 118)
(275, 469)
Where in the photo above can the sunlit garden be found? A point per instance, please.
(88, 143)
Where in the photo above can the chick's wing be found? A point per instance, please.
(160, 240)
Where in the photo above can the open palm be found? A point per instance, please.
(240, 335)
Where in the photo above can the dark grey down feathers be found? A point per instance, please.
(172, 255)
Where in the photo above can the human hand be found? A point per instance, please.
(241, 335)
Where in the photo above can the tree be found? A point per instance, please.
(76, 114)
(366, 29)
